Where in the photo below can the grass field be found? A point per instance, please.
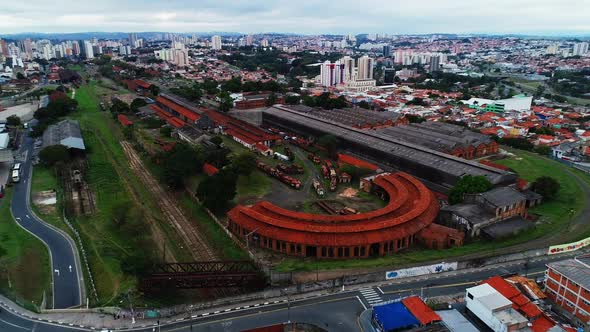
(530, 166)
(216, 236)
(25, 264)
(554, 215)
(106, 244)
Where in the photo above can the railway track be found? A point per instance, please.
(190, 235)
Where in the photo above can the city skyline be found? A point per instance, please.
(374, 16)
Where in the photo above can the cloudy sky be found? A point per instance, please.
(303, 16)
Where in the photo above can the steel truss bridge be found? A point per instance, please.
(213, 274)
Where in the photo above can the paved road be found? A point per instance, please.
(65, 267)
(338, 311)
(13, 323)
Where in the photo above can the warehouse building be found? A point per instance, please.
(412, 209)
(428, 164)
(356, 117)
(444, 137)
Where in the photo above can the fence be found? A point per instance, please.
(83, 254)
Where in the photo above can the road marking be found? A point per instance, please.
(28, 217)
(14, 325)
(364, 306)
(379, 288)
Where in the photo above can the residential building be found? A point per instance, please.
(365, 68)
(332, 74)
(434, 64)
(88, 51)
(386, 50)
(580, 48)
(493, 309)
(567, 283)
(132, 39)
(216, 42)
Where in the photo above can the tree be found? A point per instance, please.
(166, 131)
(543, 150)
(20, 76)
(225, 101)
(210, 194)
(154, 90)
(180, 162)
(364, 104)
(136, 104)
(468, 184)
(271, 100)
(13, 121)
(54, 154)
(546, 186)
(292, 100)
(415, 118)
(216, 140)
(119, 107)
(244, 163)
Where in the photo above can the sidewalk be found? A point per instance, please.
(104, 318)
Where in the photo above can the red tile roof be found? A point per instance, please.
(210, 169)
(125, 122)
(142, 84)
(178, 108)
(420, 310)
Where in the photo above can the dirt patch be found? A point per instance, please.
(45, 201)
(348, 193)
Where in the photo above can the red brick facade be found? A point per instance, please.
(412, 207)
(568, 295)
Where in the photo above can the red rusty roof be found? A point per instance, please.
(210, 169)
(411, 208)
(142, 84)
(420, 310)
(347, 159)
(178, 108)
(125, 122)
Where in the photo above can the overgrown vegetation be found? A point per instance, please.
(468, 184)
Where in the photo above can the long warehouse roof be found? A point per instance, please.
(413, 152)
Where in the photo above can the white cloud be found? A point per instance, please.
(303, 16)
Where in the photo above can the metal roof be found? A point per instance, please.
(503, 196)
(4, 139)
(390, 145)
(66, 133)
(575, 269)
(6, 156)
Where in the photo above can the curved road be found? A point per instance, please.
(67, 281)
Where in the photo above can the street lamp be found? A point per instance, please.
(284, 291)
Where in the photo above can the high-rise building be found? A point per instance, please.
(3, 47)
(552, 49)
(216, 42)
(580, 48)
(28, 48)
(331, 74)
(132, 39)
(365, 68)
(88, 51)
(75, 48)
(434, 63)
(349, 68)
(387, 50)
(249, 40)
(264, 43)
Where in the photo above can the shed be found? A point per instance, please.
(394, 316)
